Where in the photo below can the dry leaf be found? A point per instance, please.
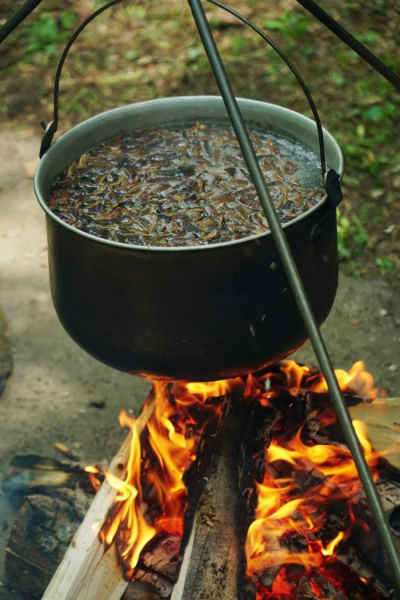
(382, 418)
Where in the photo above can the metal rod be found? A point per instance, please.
(17, 18)
(295, 283)
(351, 41)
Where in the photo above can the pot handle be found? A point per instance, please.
(51, 128)
(295, 72)
(331, 178)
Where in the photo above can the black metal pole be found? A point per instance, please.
(17, 18)
(295, 283)
(346, 37)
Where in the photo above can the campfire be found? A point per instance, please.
(300, 522)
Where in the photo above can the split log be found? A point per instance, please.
(212, 571)
(85, 554)
(217, 554)
(40, 536)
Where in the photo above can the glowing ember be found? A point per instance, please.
(303, 480)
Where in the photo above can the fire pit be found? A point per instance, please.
(290, 523)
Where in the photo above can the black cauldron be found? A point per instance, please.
(203, 313)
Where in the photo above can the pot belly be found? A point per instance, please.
(190, 315)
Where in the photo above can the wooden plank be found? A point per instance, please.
(85, 554)
(177, 593)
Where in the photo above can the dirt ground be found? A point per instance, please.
(48, 397)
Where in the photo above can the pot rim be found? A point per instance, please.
(160, 101)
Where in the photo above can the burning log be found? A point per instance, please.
(85, 554)
(165, 454)
(216, 555)
(311, 534)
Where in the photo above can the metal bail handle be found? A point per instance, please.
(331, 178)
(52, 126)
(295, 72)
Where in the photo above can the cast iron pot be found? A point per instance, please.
(203, 313)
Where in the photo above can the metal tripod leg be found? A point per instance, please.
(296, 284)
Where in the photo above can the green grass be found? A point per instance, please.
(141, 51)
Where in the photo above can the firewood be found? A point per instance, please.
(41, 533)
(84, 558)
(217, 555)
(361, 553)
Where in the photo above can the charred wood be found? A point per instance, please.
(40, 536)
(360, 555)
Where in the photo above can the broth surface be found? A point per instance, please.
(184, 185)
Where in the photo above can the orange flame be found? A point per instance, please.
(92, 472)
(357, 380)
(128, 507)
(296, 378)
(152, 495)
(289, 527)
(280, 513)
